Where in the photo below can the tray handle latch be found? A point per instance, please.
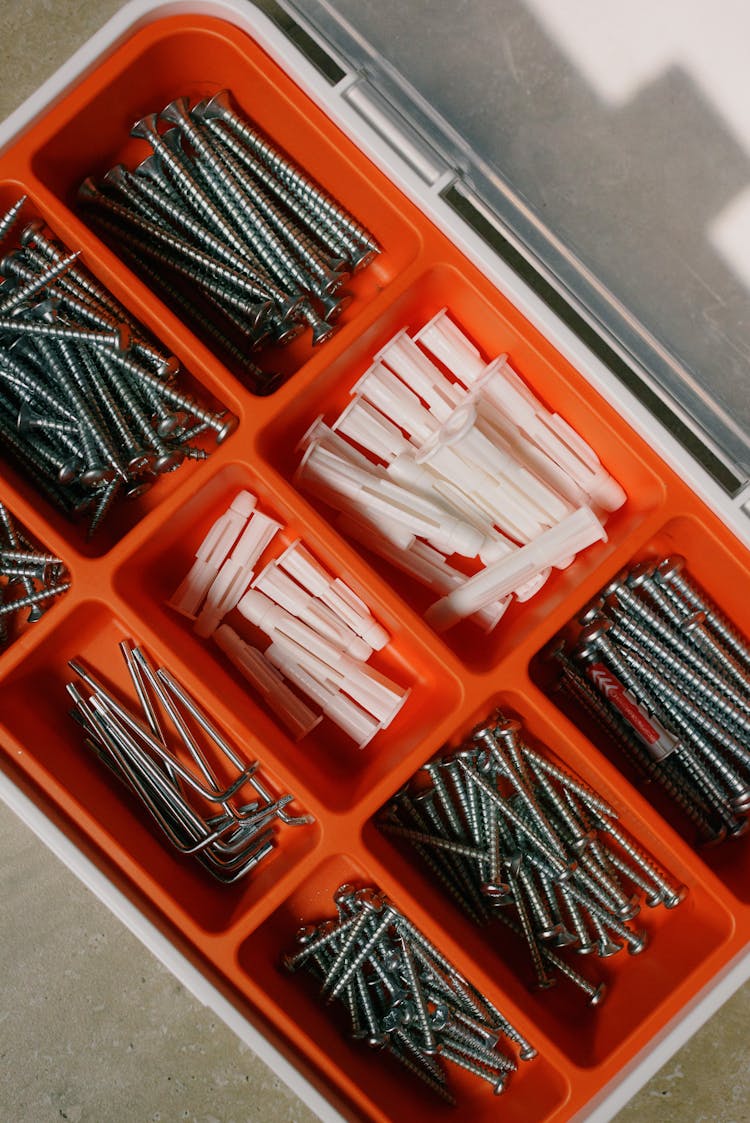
(392, 127)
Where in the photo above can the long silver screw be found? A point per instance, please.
(671, 572)
(220, 106)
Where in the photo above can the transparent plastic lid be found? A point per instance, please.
(612, 151)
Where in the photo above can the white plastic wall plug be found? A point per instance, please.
(422, 479)
(320, 476)
(422, 562)
(344, 602)
(284, 591)
(211, 554)
(362, 423)
(324, 435)
(236, 573)
(360, 726)
(511, 396)
(329, 476)
(502, 503)
(445, 340)
(373, 691)
(505, 389)
(481, 452)
(298, 718)
(503, 433)
(428, 382)
(392, 397)
(574, 533)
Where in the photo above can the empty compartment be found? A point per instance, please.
(716, 563)
(88, 132)
(35, 714)
(376, 1086)
(144, 489)
(685, 945)
(326, 760)
(495, 327)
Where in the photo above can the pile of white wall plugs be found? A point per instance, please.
(475, 467)
(321, 633)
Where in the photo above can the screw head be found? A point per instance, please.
(306, 935)
(335, 306)
(139, 489)
(693, 621)
(370, 899)
(670, 567)
(635, 947)
(168, 461)
(30, 232)
(67, 474)
(607, 947)
(344, 895)
(640, 574)
(217, 106)
(672, 900)
(591, 611)
(97, 475)
(141, 462)
(230, 425)
(612, 587)
(509, 729)
(176, 111)
(629, 910)
(594, 630)
(146, 127)
(563, 937)
(599, 995)
(322, 331)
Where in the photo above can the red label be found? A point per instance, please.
(659, 741)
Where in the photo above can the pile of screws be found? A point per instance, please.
(230, 232)
(667, 676)
(89, 408)
(29, 578)
(403, 995)
(512, 836)
(167, 752)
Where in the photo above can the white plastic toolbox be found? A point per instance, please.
(413, 278)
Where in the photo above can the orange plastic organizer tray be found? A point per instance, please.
(120, 583)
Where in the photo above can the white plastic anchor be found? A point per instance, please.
(328, 484)
(501, 385)
(573, 533)
(504, 389)
(360, 726)
(392, 397)
(267, 680)
(284, 591)
(324, 435)
(362, 423)
(330, 476)
(376, 693)
(211, 554)
(424, 563)
(236, 573)
(447, 342)
(371, 692)
(413, 367)
(299, 562)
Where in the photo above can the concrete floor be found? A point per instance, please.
(92, 1028)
